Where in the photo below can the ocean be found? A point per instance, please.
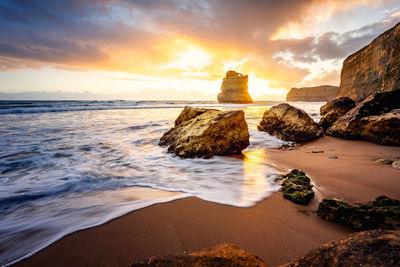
(70, 165)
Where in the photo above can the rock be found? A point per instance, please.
(385, 161)
(376, 119)
(321, 93)
(207, 132)
(368, 248)
(234, 88)
(383, 213)
(333, 110)
(289, 123)
(317, 151)
(289, 146)
(396, 164)
(333, 157)
(296, 187)
(374, 68)
(222, 255)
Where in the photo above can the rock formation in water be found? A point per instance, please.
(222, 255)
(289, 123)
(375, 119)
(204, 133)
(234, 88)
(321, 93)
(368, 248)
(333, 110)
(374, 68)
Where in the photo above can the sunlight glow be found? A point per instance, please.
(191, 58)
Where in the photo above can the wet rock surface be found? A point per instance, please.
(333, 110)
(368, 248)
(207, 132)
(376, 119)
(297, 188)
(222, 255)
(289, 123)
(383, 213)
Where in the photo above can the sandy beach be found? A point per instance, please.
(275, 229)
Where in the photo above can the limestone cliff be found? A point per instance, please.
(234, 88)
(313, 94)
(374, 68)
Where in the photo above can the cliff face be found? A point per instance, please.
(313, 94)
(374, 68)
(234, 88)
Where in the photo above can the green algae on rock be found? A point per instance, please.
(296, 187)
(383, 213)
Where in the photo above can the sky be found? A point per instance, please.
(180, 49)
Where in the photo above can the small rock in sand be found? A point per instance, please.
(317, 151)
(396, 164)
(333, 157)
(384, 161)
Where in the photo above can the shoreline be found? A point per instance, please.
(275, 229)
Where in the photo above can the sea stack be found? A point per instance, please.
(374, 68)
(234, 88)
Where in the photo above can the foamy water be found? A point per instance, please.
(69, 165)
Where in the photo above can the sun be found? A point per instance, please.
(191, 58)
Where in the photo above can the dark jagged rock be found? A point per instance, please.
(383, 213)
(289, 123)
(207, 132)
(368, 248)
(320, 93)
(333, 110)
(296, 187)
(374, 68)
(374, 119)
(222, 255)
(234, 88)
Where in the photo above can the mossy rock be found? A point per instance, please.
(383, 213)
(297, 188)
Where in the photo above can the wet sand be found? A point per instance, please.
(275, 229)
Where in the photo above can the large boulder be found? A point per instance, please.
(383, 213)
(374, 68)
(207, 132)
(222, 255)
(289, 123)
(333, 110)
(320, 93)
(368, 248)
(234, 88)
(374, 119)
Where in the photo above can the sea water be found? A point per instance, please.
(69, 165)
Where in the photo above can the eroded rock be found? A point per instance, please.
(376, 119)
(207, 132)
(374, 68)
(333, 110)
(234, 88)
(320, 93)
(368, 248)
(383, 213)
(222, 255)
(296, 187)
(289, 123)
